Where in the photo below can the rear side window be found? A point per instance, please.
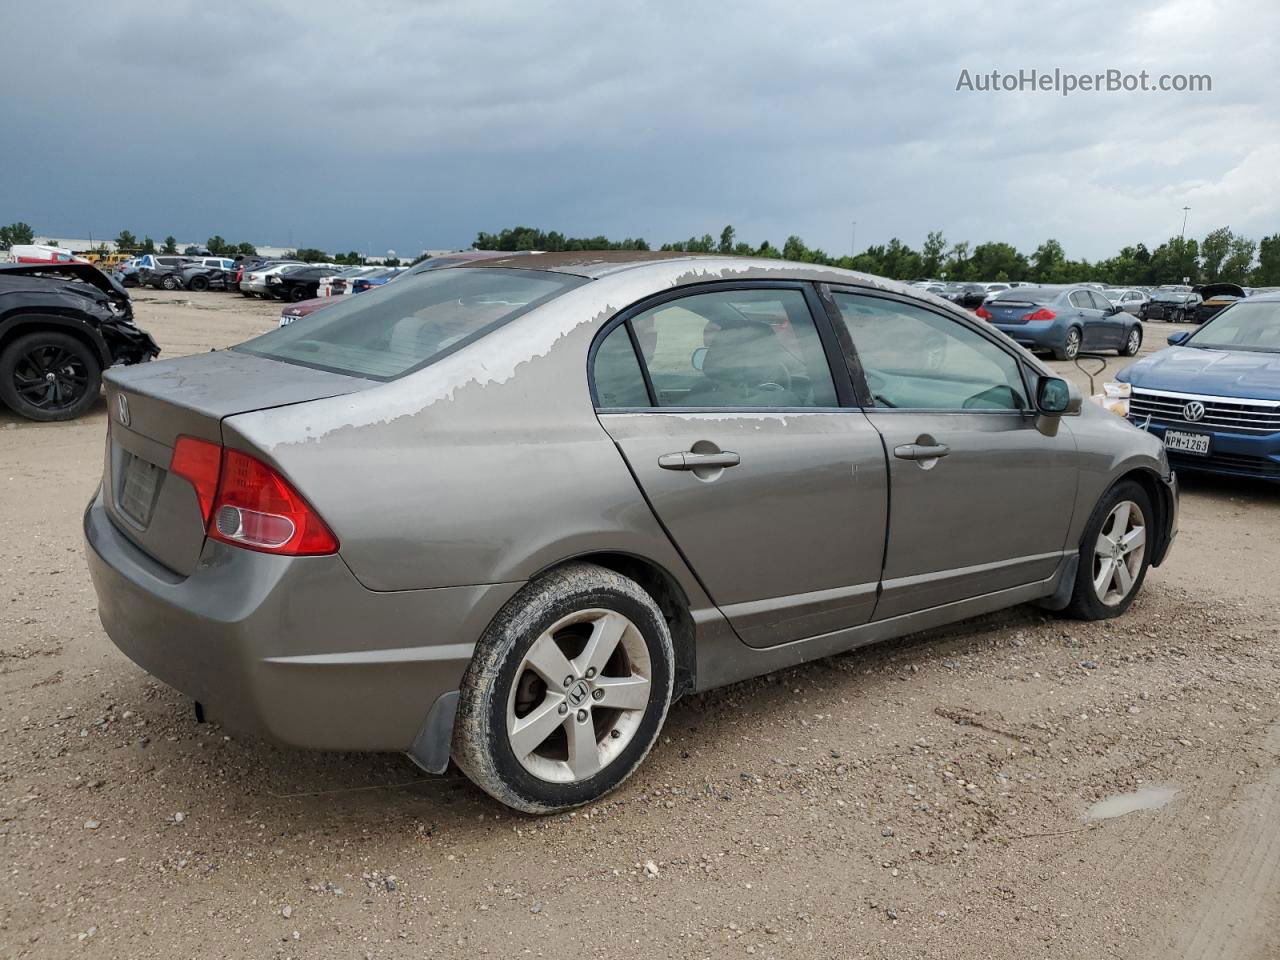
(730, 349)
(394, 329)
(618, 380)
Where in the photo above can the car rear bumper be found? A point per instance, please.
(1034, 336)
(295, 649)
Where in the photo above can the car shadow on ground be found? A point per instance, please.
(175, 763)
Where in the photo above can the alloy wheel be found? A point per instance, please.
(50, 377)
(579, 696)
(1118, 553)
(1135, 341)
(1073, 344)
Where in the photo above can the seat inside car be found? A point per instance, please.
(743, 366)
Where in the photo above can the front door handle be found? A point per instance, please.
(921, 451)
(696, 461)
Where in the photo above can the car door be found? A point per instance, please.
(1088, 316)
(1112, 322)
(981, 488)
(768, 479)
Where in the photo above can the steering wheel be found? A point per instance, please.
(779, 381)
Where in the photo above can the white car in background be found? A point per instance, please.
(1126, 298)
(340, 283)
(254, 283)
(994, 288)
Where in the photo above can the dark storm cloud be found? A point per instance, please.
(411, 124)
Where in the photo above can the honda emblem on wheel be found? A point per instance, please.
(1193, 411)
(122, 409)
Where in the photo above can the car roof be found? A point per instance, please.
(673, 268)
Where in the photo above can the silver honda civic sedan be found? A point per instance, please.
(506, 513)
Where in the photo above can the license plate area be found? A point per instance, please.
(139, 484)
(1195, 444)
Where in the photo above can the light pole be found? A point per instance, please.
(853, 239)
(1183, 235)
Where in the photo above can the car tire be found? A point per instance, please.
(1102, 590)
(297, 294)
(32, 359)
(169, 283)
(198, 283)
(1070, 348)
(538, 743)
(1132, 343)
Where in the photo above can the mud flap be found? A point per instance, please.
(430, 749)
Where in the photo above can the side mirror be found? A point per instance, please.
(1177, 338)
(699, 358)
(1055, 397)
(1115, 308)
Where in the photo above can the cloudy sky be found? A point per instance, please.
(415, 124)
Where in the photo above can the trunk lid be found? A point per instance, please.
(150, 406)
(1010, 311)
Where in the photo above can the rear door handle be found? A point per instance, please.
(921, 451)
(695, 461)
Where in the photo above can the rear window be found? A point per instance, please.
(1030, 294)
(394, 329)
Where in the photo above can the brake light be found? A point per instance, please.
(246, 503)
(1041, 314)
(199, 463)
(984, 313)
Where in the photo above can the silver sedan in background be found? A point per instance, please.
(507, 512)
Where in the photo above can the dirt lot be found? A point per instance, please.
(924, 798)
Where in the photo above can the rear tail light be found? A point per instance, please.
(984, 313)
(1041, 314)
(247, 503)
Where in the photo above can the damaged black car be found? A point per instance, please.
(1214, 297)
(61, 325)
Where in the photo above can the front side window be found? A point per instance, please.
(733, 348)
(399, 327)
(915, 359)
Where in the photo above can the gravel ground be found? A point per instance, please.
(923, 798)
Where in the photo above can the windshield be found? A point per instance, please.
(1242, 326)
(398, 327)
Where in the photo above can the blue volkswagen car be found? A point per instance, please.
(1214, 395)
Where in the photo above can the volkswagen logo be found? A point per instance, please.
(1193, 411)
(122, 409)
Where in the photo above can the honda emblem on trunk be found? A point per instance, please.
(122, 409)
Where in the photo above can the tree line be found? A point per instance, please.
(1221, 255)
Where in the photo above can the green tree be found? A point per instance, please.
(956, 266)
(312, 255)
(126, 242)
(726, 240)
(998, 261)
(245, 250)
(217, 246)
(1047, 261)
(1267, 272)
(170, 245)
(16, 233)
(1213, 251)
(1235, 268)
(148, 245)
(931, 254)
